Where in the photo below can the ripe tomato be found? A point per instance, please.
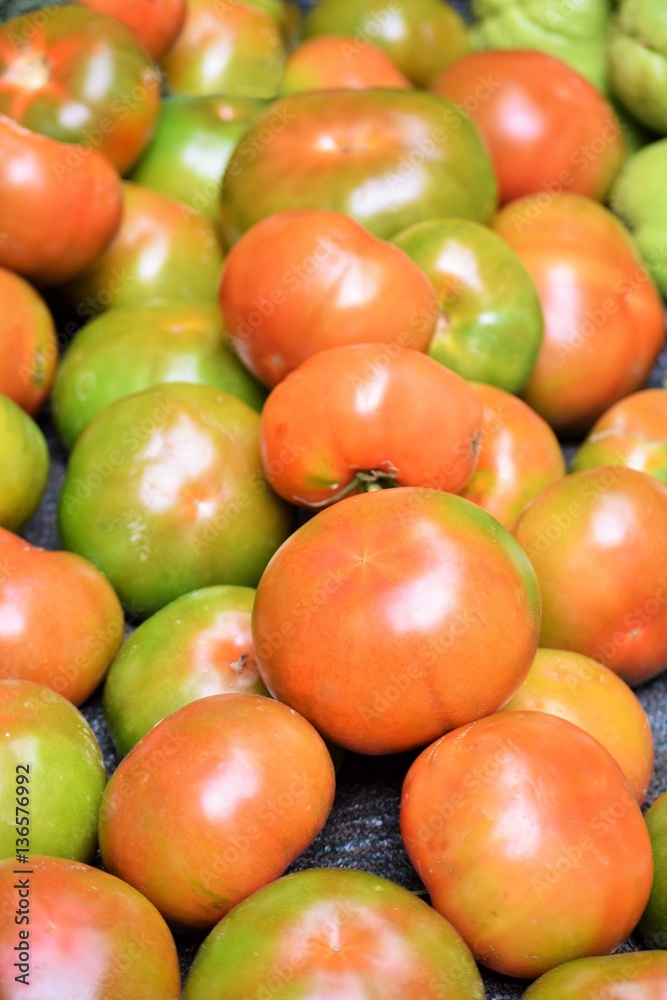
(384, 619)
(215, 801)
(156, 23)
(371, 410)
(24, 460)
(598, 543)
(653, 924)
(529, 840)
(519, 456)
(639, 975)
(300, 282)
(89, 935)
(332, 62)
(28, 345)
(346, 932)
(547, 128)
(632, 432)
(79, 77)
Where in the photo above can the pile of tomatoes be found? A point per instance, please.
(311, 304)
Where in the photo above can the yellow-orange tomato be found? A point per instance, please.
(332, 62)
(28, 344)
(633, 432)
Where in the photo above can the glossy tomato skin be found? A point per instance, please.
(547, 128)
(239, 785)
(56, 218)
(171, 342)
(304, 281)
(632, 432)
(529, 840)
(95, 936)
(199, 645)
(191, 148)
(653, 924)
(420, 36)
(387, 158)
(590, 695)
(598, 543)
(362, 935)
(332, 62)
(371, 410)
(162, 251)
(52, 768)
(24, 460)
(491, 325)
(373, 621)
(519, 456)
(66, 644)
(28, 344)
(155, 23)
(165, 493)
(50, 81)
(236, 49)
(604, 320)
(639, 975)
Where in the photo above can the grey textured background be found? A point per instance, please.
(363, 830)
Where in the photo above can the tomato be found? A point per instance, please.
(388, 158)
(156, 23)
(164, 492)
(66, 644)
(653, 924)
(546, 127)
(598, 543)
(347, 932)
(371, 410)
(171, 342)
(56, 218)
(163, 251)
(333, 62)
(529, 840)
(199, 645)
(194, 141)
(636, 50)
(89, 934)
(490, 326)
(24, 460)
(383, 620)
(636, 976)
(633, 432)
(28, 345)
(51, 774)
(420, 36)
(79, 77)
(519, 456)
(604, 321)
(638, 198)
(591, 696)
(235, 49)
(239, 785)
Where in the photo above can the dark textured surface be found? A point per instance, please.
(363, 830)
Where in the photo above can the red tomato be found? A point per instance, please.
(28, 345)
(547, 128)
(633, 432)
(156, 23)
(384, 619)
(529, 841)
(371, 411)
(604, 320)
(55, 218)
(68, 643)
(598, 543)
(519, 456)
(300, 282)
(213, 803)
(87, 935)
(591, 696)
(333, 62)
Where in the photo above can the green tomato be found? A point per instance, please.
(24, 460)
(175, 342)
(639, 975)
(195, 138)
(637, 57)
(653, 924)
(199, 645)
(165, 494)
(639, 196)
(491, 323)
(51, 775)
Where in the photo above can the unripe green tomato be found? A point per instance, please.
(24, 460)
